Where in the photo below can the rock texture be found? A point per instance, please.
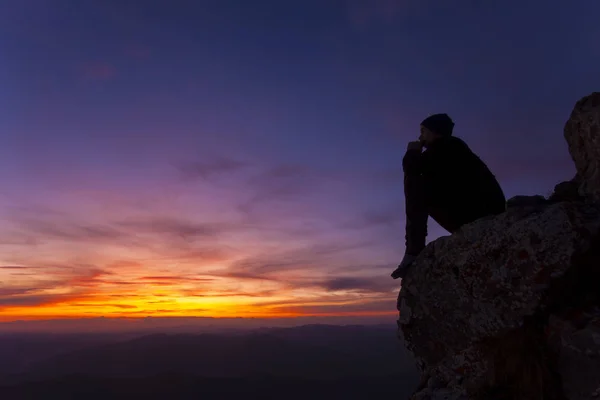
(582, 133)
(509, 306)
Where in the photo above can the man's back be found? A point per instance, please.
(459, 187)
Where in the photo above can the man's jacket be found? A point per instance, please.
(457, 186)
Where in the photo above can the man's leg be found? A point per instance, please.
(416, 214)
(416, 222)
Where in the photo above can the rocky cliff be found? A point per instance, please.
(509, 306)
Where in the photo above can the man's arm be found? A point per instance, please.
(414, 203)
(414, 199)
(412, 161)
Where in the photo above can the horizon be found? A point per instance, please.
(232, 160)
(152, 325)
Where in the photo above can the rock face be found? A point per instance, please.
(582, 133)
(509, 306)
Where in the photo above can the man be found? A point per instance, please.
(448, 182)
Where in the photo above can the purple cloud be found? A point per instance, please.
(373, 285)
(98, 71)
(209, 169)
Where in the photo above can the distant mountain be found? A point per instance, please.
(18, 352)
(314, 352)
(185, 387)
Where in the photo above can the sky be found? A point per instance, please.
(232, 158)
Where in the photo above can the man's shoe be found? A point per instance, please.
(400, 272)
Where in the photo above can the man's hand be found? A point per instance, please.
(416, 145)
(398, 273)
(403, 267)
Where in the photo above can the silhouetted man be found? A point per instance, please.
(447, 181)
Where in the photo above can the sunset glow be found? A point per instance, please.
(225, 159)
(149, 263)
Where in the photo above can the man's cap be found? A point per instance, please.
(441, 124)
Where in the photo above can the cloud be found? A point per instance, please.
(366, 13)
(52, 285)
(386, 306)
(325, 249)
(125, 265)
(373, 285)
(92, 305)
(37, 294)
(208, 254)
(305, 268)
(138, 51)
(386, 177)
(75, 232)
(120, 283)
(361, 268)
(45, 228)
(34, 300)
(98, 71)
(244, 276)
(208, 169)
(314, 256)
(260, 266)
(286, 171)
(8, 291)
(86, 276)
(175, 227)
(282, 182)
(232, 293)
(377, 218)
(168, 236)
(162, 279)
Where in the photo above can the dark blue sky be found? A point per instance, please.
(281, 124)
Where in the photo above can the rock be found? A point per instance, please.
(438, 394)
(526, 201)
(435, 382)
(582, 132)
(514, 255)
(578, 350)
(508, 307)
(475, 303)
(566, 191)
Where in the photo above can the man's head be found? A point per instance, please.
(435, 127)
